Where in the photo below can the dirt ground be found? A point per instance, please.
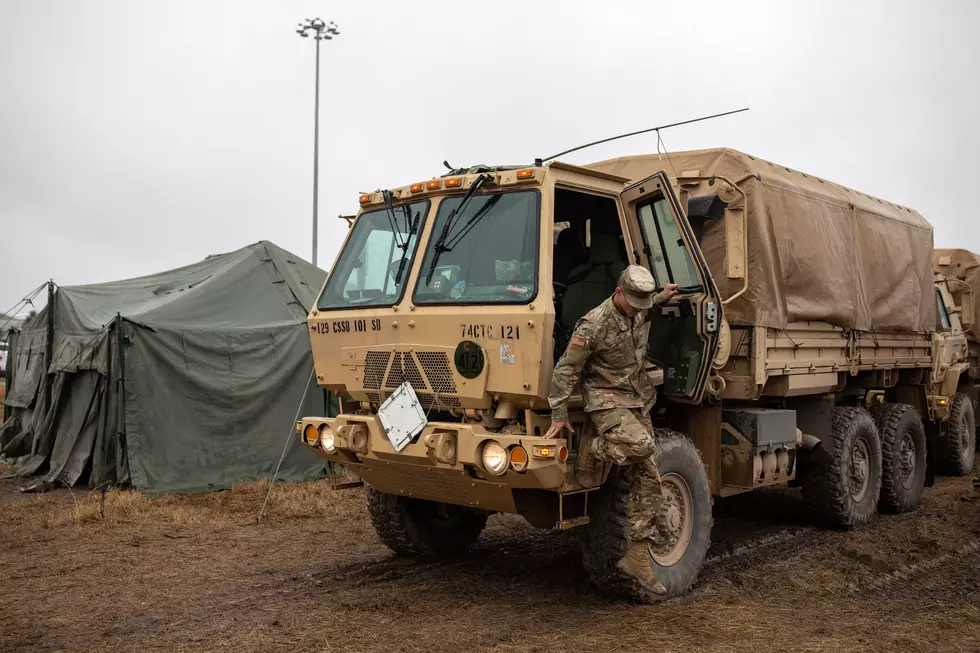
(197, 574)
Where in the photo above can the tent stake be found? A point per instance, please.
(282, 456)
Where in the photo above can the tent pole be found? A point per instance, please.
(285, 446)
(49, 347)
(120, 449)
(8, 372)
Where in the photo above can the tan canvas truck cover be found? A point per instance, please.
(816, 250)
(964, 265)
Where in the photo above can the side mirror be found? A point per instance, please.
(715, 207)
(963, 298)
(966, 308)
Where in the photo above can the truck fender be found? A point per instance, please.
(951, 379)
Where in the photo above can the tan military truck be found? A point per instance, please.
(800, 350)
(957, 275)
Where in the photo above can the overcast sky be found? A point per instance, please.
(138, 136)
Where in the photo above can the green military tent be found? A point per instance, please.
(181, 381)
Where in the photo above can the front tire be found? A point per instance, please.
(961, 443)
(843, 485)
(684, 526)
(903, 456)
(415, 527)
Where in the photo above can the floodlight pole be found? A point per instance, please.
(321, 31)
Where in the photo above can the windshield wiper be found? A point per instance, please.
(440, 244)
(396, 230)
(414, 225)
(392, 219)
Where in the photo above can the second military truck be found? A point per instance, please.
(802, 349)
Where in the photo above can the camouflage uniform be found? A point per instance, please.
(607, 352)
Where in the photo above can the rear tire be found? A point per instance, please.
(415, 527)
(843, 485)
(687, 518)
(961, 443)
(903, 457)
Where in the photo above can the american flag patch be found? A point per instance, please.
(578, 341)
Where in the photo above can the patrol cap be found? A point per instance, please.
(638, 286)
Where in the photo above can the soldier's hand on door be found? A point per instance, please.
(665, 295)
(556, 429)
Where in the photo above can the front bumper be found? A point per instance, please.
(443, 463)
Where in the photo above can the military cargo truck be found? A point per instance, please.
(801, 349)
(957, 275)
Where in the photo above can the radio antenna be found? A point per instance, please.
(642, 131)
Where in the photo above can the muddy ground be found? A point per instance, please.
(197, 574)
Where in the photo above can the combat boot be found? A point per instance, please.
(636, 564)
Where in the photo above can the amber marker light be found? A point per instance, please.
(416, 188)
(432, 185)
(364, 199)
(518, 458)
(454, 182)
(563, 454)
(311, 435)
(527, 173)
(543, 452)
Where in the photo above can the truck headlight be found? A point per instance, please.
(327, 439)
(495, 458)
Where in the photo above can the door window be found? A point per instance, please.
(943, 315)
(669, 258)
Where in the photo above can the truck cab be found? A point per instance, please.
(446, 310)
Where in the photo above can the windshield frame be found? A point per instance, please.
(430, 242)
(409, 263)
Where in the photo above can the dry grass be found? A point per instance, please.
(238, 506)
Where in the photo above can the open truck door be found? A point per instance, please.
(684, 336)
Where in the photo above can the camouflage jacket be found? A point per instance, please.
(608, 353)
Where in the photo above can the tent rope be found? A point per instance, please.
(11, 312)
(285, 446)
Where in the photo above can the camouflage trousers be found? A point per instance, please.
(624, 437)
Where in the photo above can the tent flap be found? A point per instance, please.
(218, 415)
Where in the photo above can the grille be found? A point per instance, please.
(374, 397)
(375, 364)
(413, 375)
(395, 377)
(426, 398)
(435, 364)
(429, 375)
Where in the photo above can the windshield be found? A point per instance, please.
(366, 271)
(491, 256)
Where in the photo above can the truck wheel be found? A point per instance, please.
(416, 527)
(684, 525)
(957, 457)
(843, 485)
(903, 457)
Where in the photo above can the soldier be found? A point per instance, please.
(607, 352)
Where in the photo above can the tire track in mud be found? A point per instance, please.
(521, 551)
(755, 546)
(548, 560)
(534, 551)
(944, 567)
(748, 554)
